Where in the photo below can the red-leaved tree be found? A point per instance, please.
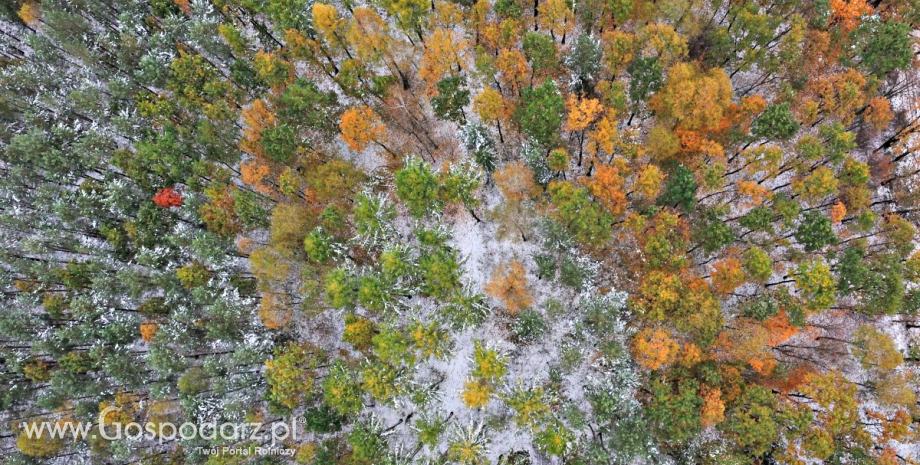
(167, 197)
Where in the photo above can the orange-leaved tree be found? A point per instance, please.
(607, 186)
(360, 126)
(654, 348)
(509, 284)
(515, 181)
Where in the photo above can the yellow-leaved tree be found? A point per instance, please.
(442, 54)
(693, 99)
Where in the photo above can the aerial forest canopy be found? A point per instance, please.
(462, 232)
